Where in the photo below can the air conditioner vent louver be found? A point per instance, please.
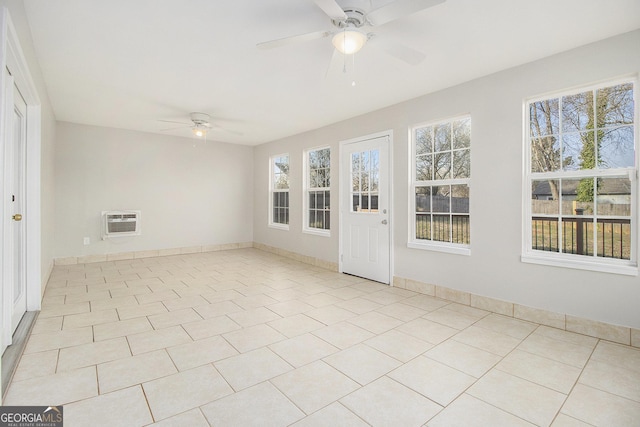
(121, 223)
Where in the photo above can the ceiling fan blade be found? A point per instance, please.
(398, 9)
(331, 8)
(173, 121)
(399, 51)
(223, 129)
(293, 40)
(167, 130)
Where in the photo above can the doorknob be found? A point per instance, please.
(384, 221)
(17, 217)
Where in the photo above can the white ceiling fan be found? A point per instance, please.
(200, 125)
(352, 19)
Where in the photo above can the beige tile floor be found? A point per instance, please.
(245, 337)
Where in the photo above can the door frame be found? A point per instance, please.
(13, 59)
(345, 175)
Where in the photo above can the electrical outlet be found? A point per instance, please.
(87, 241)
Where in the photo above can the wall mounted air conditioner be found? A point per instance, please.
(121, 223)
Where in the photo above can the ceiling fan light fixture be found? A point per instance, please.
(349, 41)
(199, 131)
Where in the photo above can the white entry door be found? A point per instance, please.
(16, 154)
(365, 220)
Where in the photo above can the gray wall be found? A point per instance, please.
(191, 193)
(494, 268)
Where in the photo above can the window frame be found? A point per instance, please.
(433, 245)
(273, 190)
(325, 232)
(569, 260)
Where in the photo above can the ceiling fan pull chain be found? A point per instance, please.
(353, 69)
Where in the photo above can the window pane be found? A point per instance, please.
(365, 202)
(424, 167)
(320, 219)
(374, 202)
(375, 180)
(615, 105)
(441, 228)
(313, 178)
(312, 199)
(460, 229)
(545, 197)
(545, 154)
(613, 197)
(355, 206)
(423, 199)
(365, 167)
(577, 235)
(544, 118)
(544, 234)
(281, 172)
(460, 198)
(327, 200)
(443, 137)
(577, 112)
(327, 220)
(324, 157)
(423, 226)
(375, 170)
(320, 200)
(461, 164)
(312, 219)
(584, 146)
(577, 196)
(355, 171)
(319, 176)
(424, 140)
(616, 148)
(614, 238)
(442, 168)
(572, 145)
(322, 178)
(462, 133)
(314, 163)
(440, 198)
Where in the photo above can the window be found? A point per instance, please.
(581, 179)
(365, 177)
(317, 197)
(279, 185)
(440, 178)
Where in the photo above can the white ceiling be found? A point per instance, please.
(130, 63)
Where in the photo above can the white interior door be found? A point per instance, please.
(365, 220)
(16, 157)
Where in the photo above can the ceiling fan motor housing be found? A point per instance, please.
(200, 119)
(355, 18)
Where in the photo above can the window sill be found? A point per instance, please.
(568, 261)
(317, 232)
(446, 248)
(284, 227)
